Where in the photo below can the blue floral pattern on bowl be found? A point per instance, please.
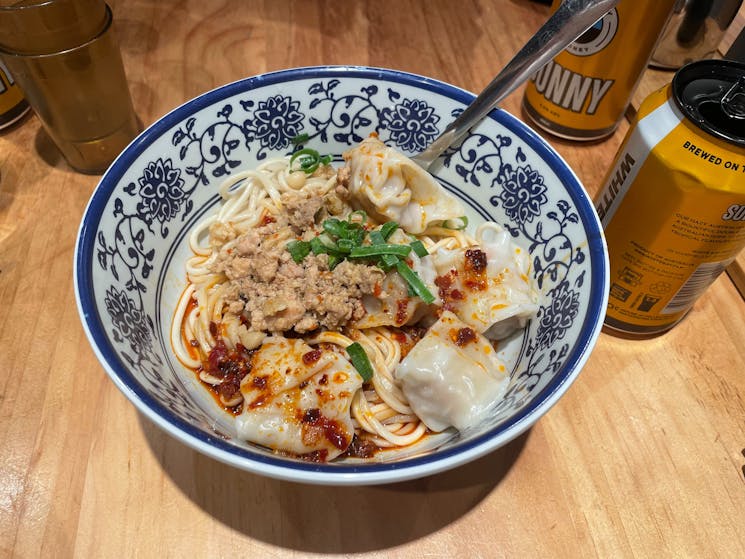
(132, 244)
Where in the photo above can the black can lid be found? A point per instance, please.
(711, 93)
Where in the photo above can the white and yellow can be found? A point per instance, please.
(673, 203)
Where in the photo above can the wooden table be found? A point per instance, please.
(644, 456)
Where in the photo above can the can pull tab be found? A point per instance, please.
(733, 102)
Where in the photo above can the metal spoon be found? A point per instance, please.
(567, 23)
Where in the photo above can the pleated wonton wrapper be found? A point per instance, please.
(390, 186)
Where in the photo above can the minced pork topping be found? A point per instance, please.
(273, 293)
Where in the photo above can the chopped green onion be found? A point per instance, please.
(353, 232)
(317, 246)
(388, 228)
(388, 261)
(325, 159)
(309, 160)
(419, 249)
(333, 226)
(346, 245)
(343, 239)
(376, 238)
(300, 139)
(380, 250)
(360, 361)
(334, 261)
(356, 235)
(415, 282)
(455, 224)
(327, 241)
(298, 250)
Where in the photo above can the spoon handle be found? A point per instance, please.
(572, 18)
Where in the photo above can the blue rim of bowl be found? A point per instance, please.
(283, 468)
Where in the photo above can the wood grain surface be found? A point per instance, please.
(643, 457)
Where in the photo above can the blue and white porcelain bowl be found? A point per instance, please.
(132, 245)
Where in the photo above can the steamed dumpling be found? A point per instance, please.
(452, 375)
(297, 399)
(392, 305)
(490, 286)
(391, 186)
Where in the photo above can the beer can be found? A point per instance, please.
(12, 104)
(583, 92)
(673, 203)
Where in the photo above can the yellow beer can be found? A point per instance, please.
(12, 104)
(673, 203)
(583, 92)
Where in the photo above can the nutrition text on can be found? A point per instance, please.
(673, 203)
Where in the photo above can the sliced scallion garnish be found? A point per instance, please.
(360, 361)
(376, 238)
(333, 226)
(388, 261)
(327, 241)
(334, 261)
(380, 250)
(419, 249)
(415, 282)
(298, 250)
(342, 239)
(388, 228)
(317, 246)
(309, 160)
(458, 224)
(345, 245)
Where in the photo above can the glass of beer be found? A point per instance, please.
(65, 57)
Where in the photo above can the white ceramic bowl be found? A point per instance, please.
(132, 245)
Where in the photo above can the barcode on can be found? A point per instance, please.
(702, 278)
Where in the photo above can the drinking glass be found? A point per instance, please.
(64, 56)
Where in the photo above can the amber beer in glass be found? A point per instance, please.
(64, 56)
